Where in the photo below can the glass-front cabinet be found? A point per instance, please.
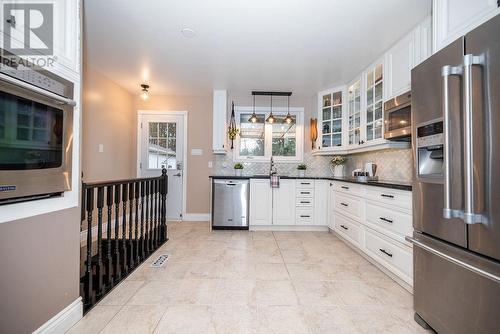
(374, 103)
(354, 112)
(331, 122)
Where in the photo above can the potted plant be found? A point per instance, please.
(337, 165)
(238, 169)
(302, 170)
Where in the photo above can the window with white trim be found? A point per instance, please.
(261, 140)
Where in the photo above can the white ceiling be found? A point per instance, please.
(298, 45)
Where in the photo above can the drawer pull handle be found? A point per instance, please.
(344, 204)
(304, 216)
(385, 252)
(304, 192)
(305, 183)
(386, 220)
(305, 202)
(387, 196)
(344, 187)
(345, 228)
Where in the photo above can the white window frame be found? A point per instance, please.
(298, 112)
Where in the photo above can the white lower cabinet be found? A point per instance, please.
(321, 207)
(261, 200)
(284, 203)
(348, 229)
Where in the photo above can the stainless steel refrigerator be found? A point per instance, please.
(456, 189)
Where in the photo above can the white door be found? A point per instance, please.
(161, 146)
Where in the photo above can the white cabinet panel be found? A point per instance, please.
(260, 202)
(349, 206)
(397, 198)
(348, 229)
(219, 121)
(395, 223)
(321, 199)
(284, 203)
(422, 38)
(399, 62)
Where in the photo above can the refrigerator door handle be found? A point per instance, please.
(446, 72)
(469, 216)
(456, 261)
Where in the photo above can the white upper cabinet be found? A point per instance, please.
(373, 119)
(422, 41)
(454, 18)
(331, 119)
(399, 62)
(219, 121)
(354, 113)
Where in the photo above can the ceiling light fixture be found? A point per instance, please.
(271, 118)
(253, 118)
(145, 92)
(288, 119)
(188, 33)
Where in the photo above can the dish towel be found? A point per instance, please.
(275, 181)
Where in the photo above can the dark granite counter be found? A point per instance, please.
(399, 185)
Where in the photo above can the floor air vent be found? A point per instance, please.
(160, 261)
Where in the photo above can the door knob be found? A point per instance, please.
(178, 174)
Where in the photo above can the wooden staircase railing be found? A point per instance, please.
(135, 206)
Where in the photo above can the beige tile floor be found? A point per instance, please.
(254, 282)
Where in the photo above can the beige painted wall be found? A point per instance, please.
(108, 118)
(199, 110)
(39, 275)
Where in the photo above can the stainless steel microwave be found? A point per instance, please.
(36, 131)
(397, 118)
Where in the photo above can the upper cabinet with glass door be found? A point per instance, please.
(374, 103)
(354, 119)
(331, 119)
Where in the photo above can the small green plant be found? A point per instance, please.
(338, 160)
(302, 167)
(238, 166)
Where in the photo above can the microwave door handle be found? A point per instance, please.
(446, 72)
(37, 90)
(469, 216)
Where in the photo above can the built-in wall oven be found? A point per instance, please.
(397, 118)
(36, 131)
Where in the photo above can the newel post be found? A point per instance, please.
(163, 215)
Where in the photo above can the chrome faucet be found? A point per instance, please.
(272, 168)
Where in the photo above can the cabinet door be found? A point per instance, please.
(374, 103)
(354, 114)
(399, 62)
(331, 119)
(422, 41)
(321, 199)
(284, 203)
(261, 201)
(219, 121)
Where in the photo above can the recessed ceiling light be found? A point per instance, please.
(188, 33)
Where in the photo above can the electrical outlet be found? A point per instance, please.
(210, 164)
(101, 148)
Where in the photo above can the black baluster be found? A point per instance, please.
(131, 225)
(136, 242)
(151, 226)
(157, 213)
(124, 227)
(146, 231)
(100, 266)
(117, 273)
(88, 266)
(109, 263)
(163, 215)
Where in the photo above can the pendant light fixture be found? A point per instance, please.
(253, 118)
(288, 119)
(271, 118)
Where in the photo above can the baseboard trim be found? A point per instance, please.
(196, 217)
(277, 228)
(63, 320)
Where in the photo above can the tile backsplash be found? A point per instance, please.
(392, 164)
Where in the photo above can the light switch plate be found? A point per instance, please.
(101, 148)
(210, 164)
(196, 151)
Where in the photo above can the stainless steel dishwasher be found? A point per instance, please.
(230, 204)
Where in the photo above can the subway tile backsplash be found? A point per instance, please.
(392, 164)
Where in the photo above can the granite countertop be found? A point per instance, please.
(400, 185)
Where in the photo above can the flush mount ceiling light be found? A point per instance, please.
(145, 92)
(188, 33)
(253, 118)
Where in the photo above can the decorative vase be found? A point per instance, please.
(238, 172)
(337, 171)
(302, 173)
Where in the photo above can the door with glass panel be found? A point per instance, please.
(331, 120)
(374, 103)
(161, 146)
(354, 119)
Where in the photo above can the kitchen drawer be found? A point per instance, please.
(348, 188)
(304, 193)
(348, 229)
(348, 205)
(388, 219)
(304, 216)
(307, 202)
(304, 184)
(397, 257)
(399, 198)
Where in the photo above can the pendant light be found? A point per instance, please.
(145, 92)
(271, 118)
(288, 119)
(253, 118)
